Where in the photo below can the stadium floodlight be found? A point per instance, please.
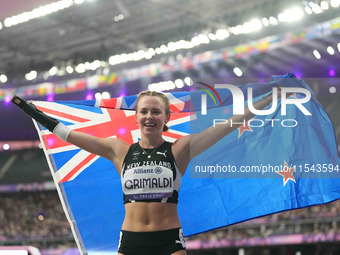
(273, 21)
(188, 81)
(212, 36)
(308, 10)
(332, 90)
(98, 96)
(31, 75)
(265, 22)
(290, 15)
(238, 71)
(222, 34)
(38, 12)
(3, 78)
(324, 5)
(179, 83)
(53, 71)
(80, 68)
(316, 54)
(330, 50)
(106, 95)
(69, 69)
(335, 3)
(6, 147)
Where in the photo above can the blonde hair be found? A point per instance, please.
(160, 95)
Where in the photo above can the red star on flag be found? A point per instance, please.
(243, 128)
(287, 174)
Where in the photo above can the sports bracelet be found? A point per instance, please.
(62, 131)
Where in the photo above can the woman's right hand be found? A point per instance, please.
(32, 111)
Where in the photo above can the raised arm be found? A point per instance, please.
(207, 138)
(188, 147)
(110, 148)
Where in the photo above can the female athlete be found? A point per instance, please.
(150, 170)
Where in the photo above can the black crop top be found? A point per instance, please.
(150, 176)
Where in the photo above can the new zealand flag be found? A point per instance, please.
(267, 165)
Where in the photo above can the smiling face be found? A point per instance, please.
(151, 114)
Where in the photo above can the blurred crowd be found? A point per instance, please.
(314, 223)
(35, 216)
(39, 216)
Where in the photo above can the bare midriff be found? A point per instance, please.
(151, 216)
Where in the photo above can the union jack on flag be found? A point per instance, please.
(114, 118)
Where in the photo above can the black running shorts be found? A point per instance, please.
(163, 242)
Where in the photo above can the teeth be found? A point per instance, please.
(150, 125)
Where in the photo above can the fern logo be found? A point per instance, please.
(204, 97)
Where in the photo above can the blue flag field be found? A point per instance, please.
(269, 164)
